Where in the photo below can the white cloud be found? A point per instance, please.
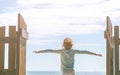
(29, 2)
(42, 24)
(48, 21)
(7, 19)
(88, 44)
(62, 20)
(34, 41)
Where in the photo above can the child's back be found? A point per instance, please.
(67, 56)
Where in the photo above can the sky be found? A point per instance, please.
(50, 21)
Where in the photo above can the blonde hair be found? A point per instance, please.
(67, 43)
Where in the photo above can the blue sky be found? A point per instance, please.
(50, 21)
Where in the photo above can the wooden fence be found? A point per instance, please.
(16, 49)
(112, 48)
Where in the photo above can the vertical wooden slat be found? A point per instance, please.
(21, 45)
(2, 45)
(24, 56)
(116, 34)
(12, 44)
(109, 60)
(20, 57)
(109, 25)
(17, 58)
(109, 49)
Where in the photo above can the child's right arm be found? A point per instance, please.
(47, 51)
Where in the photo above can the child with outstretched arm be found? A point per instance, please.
(67, 56)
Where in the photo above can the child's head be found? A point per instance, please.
(67, 43)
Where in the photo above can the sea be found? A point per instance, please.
(59, 73)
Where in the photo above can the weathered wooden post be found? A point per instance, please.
(2, 45)
(112, 49)
(109, 47)
(116, 53)
(21, 46)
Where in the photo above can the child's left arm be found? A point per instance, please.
(87, 52)
(92, 53)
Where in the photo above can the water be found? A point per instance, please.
(59, 73)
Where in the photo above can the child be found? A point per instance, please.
(67, 56)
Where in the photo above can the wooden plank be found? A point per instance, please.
(20, 64)
(109, 47)
(109, 25)
(18, 56)
(109, 60)
(24, 57)
(21, 45)
(22, 27)
(119, 73)
(6, 72)
(7, 39)
(2, 47)
(109, 38)
(12, 48)
(21, 22)
(108, 31)
(116, 34)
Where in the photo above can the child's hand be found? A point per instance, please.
(98, 54)
(36, 51)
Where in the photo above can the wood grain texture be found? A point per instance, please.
(2, 47)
